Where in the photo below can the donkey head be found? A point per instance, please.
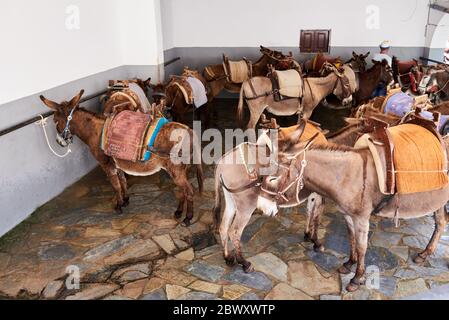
(358, 61)
(63, 114)
(386, 72)
(158, 92)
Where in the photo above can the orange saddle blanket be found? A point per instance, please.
(419, 160)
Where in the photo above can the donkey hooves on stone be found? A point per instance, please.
(230, 261)
(248, 268)
(186, 222)
(351, 287)
(419, 259)
(125, 201)
(318, 248)
(307, 237)
(178, 214)
(344, 270)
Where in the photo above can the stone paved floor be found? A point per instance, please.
(145, 254)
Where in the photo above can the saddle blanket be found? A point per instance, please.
(130, 135)
(420, 163)
(399, 104)
(290, 83)
(237, 71)
(198, 91)
(144, 102)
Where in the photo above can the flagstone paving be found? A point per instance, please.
(146, 254)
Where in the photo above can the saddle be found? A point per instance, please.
(237, 71)
(409, 158)
(320, 59)
(193, 89)
(286, 83)
(131, 91)
(130, 135)
(408, 73)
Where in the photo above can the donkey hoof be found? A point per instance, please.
(344, 269)
(178, 214)
(351, 287)
(230, 261)
(125, 201)
(186, 222)
(318, 247)
(248, 268)
(419, 259)
(307, 237)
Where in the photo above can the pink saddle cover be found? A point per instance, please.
(124, 135)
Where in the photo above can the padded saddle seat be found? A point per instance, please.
(288, 82)
(237, 71)
(409, 158)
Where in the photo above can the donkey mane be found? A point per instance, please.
(332, 147)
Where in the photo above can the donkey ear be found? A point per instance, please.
(76, 99)
(51, 104)
(354, 54)
(147, 82)
(367, 54)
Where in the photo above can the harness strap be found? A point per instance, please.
(255, 183)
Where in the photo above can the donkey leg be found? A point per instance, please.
(180, 179)
(441, 220)
(346, 267)
(237, 227)
(180, 209)
(124, 186)
(256, 111)
(114, 179)
(361, 228)
(315, 207)
(228, 216)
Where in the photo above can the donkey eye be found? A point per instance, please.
(272, 179)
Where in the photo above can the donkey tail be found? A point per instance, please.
(217, 206)
(240, 106)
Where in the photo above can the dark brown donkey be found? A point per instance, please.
(175, 101)
(88, 126)
(369, 80)
(121, 97)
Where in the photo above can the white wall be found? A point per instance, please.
(249, 23)
(39, 52)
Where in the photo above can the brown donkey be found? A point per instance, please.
(315, 90)
(369, 80)
(88, 126)
(348, 177)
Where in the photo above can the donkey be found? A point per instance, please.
(369, 80)
(239, 206)
(315, 90)
(348, 177)
(216, 78)
(358, 61)
(175, 101)
(88, 126)
(116, 101)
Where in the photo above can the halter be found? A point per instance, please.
(298, 181)
(65, 138)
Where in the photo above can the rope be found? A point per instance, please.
(43, 124)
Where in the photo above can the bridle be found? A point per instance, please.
(298, 182)
(66, 138)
